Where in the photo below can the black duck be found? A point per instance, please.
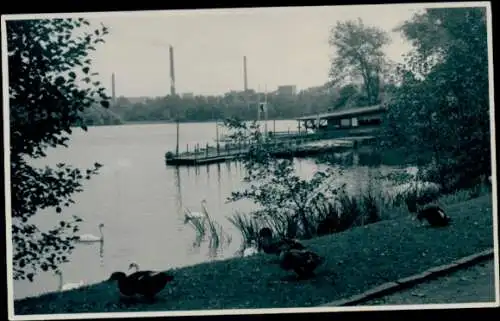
(434, 215)
(143, 283)
(302, 262)
(275, 246)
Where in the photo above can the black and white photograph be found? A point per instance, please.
(249, 160)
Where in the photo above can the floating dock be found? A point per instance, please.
(335, 131)
(192, 160)
(210, 156)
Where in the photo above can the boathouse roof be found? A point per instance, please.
(356, 111)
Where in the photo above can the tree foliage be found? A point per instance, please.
(442, 104)
(96, 116)
(349, 96)
(359, 55)
(50, 85)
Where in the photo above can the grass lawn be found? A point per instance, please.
(356, 260)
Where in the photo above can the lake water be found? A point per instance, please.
(140, 200)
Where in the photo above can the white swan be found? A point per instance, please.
(92, 238)
(188, 215)
(68, 286)
(134, 265)
(251, 250)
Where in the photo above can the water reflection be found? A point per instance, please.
(196, 174)
(353, 158)
(117, 190)
(219, 193)
(180, 206)
(101, 253)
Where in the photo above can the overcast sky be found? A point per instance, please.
(282, 45)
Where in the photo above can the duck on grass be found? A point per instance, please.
(434, 215)
(140, 284)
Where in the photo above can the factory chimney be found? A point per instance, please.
(245, 80)
(113, 88)
(172, 72)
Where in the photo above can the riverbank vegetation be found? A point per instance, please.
(356, 260)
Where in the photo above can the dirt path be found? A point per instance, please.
(472, 285)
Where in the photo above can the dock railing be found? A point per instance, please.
(281, 142)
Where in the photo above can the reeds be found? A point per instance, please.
(248, 227)
(205, 227)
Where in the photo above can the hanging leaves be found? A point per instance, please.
(45, 102)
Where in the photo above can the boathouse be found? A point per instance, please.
(346, 122)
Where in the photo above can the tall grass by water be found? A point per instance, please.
(207, 229)
(349, 211)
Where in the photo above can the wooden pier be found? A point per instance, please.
(335, 131)
(283, 150)
(196, 160)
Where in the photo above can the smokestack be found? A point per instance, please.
(113, 88)
(245, 73)
(172, 72)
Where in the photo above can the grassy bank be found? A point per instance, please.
(356, 260)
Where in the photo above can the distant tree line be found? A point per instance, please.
(97, 116)
(239, 104)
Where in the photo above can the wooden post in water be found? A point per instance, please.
(258, 105)
(206, 150)
(217, 136)
(187, 148)
(177, 142)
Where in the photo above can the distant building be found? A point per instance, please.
(137, 100)
(235, 96)
(187, 95)
(288, 90)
